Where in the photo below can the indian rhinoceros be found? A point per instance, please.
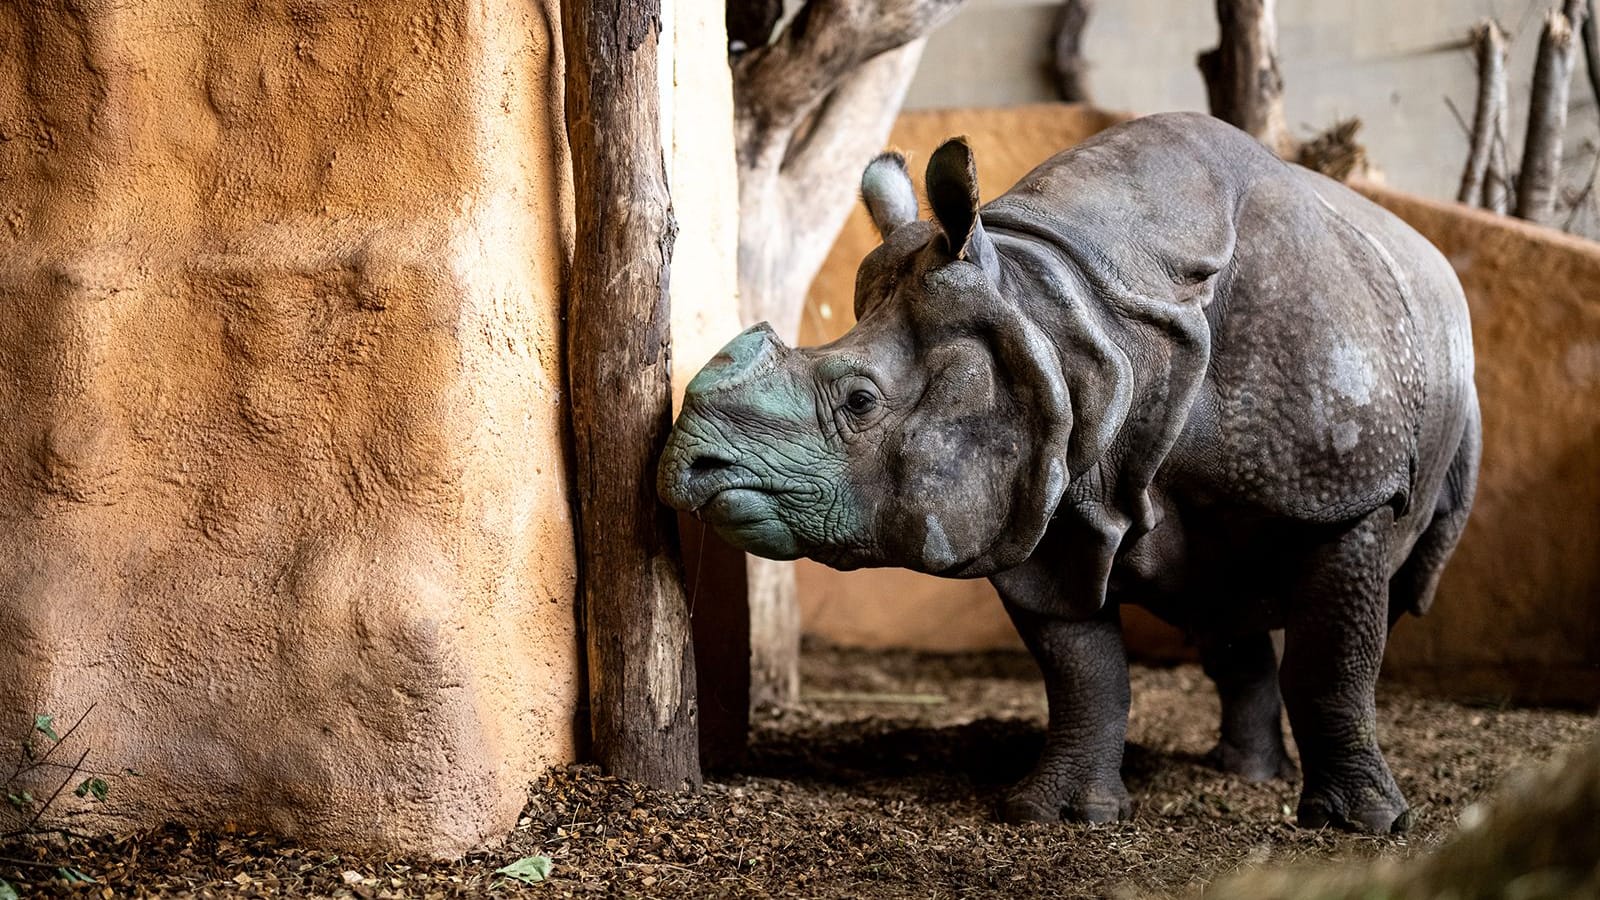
(1166, 368)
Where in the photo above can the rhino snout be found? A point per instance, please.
(692, 472)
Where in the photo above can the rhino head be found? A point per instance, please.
(933, 435)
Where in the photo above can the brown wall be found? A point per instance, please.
(283, 486)
(1519, 611)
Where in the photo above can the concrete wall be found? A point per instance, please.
(1518, 614)
(1392, 65)
(283, 492)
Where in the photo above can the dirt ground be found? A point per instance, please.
(881, 783)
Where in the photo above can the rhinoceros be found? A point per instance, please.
(1166, 368)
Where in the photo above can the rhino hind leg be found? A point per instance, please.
(1412, 587)
(1245, 671)
(1333, 646)
(1078, 777)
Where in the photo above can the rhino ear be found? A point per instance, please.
(952, 181)
(888, 194)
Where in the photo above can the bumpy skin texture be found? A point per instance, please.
(1166, 368)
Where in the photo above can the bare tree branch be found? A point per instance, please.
(850, 127)
(775, 86)
(1547, 119)
(1585, 197)
(636, 629)
(1072, 16)
(1489, 46)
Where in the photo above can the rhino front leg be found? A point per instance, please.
(1245, 671)
(1333, 646)
(1078, 777)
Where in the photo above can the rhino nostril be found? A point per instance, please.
(707, 463)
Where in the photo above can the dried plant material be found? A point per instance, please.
(1336, 153)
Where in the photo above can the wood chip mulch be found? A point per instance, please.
(880, 783)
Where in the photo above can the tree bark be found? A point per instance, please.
(1072, 16)
(1497, 181)
(1538, 183)
(811, 109)
(1489, 47)
(1243, 83)
(636, 626)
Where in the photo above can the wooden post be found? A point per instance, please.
(1243, 83)
(642, 705)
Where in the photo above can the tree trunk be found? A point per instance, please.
(1243, 83)
(1539, 181)
(1067, 50)
(788, 219)
(636, 625)
(811, 109)
(1489, 47)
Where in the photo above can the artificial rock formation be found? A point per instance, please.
(281, 471)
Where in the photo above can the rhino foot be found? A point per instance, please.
(1371, 813)
(1094, 806)
(1253, 764)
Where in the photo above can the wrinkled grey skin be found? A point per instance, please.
(1166, 369)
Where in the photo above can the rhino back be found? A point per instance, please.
(1339, 365)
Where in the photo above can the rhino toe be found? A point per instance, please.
(1091, 807)
(1376, 819)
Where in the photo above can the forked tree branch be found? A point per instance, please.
(1489, 47)
(777, 85)
(810, 109)
(849, 125)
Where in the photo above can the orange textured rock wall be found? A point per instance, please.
(283, 478)
(1518, 615)
(281, 473)
(283, 489)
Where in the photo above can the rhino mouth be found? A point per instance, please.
(747, 517)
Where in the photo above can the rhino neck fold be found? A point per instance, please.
(1132, 365)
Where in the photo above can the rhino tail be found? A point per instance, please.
(1412, 588)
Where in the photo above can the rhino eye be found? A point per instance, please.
(861, 402)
